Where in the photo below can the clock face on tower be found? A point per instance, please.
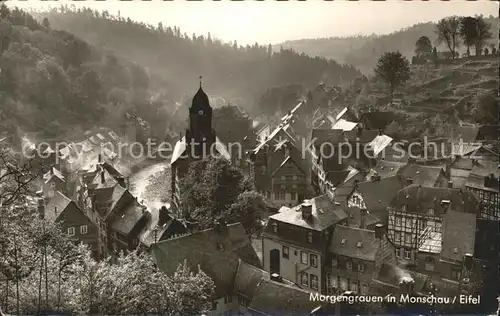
(200, 112)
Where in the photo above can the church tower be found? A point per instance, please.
(200, 136)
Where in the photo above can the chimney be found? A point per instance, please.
(468, 261)
(362, 218)
(380, 133)
(99, 158)
(450, 184)
(409, 181)
(379, 231)
(103, 180)
(306, 211)
(276, 277)
(163, 216)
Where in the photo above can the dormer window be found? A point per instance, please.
(309, 237)
(359, 244)
(343, 241)
(200, 112)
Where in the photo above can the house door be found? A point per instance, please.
(274, 261)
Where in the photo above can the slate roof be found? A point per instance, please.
(480, 171)
(53, 173)
(354, 219)
(272, 298)
(362, 136)
(181, 145)
(377, 120)
(354, 237)
(459, 231)
(420, 174)
(380, 143)
(129, 217)
(321, 136)
(345, 125)
(248, 278)
(216, 253)
(385, 169)
(325, 214)
(56, 206)
(281, 129)
(377, 195)
(419, 199)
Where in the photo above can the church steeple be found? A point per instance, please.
(200, 118)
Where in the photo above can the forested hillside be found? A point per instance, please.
(363, 51)
(53, 82)
(229, 70)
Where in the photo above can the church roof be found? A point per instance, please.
(200, 99)
(181, 145)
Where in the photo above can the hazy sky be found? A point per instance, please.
(273, 22)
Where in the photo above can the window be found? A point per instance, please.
(361, 267)
(455, 274)
(285, 252)
(268, 193)
(364, 288)
(71, 231)
(423, 223)
(304, 279)
(275, 227)
(214, 305)
(408, 237)
(53, 184)
(228, 299)
(398, 220)
(407, 254)
(243, 301)
(334, 262)
(309, 237)
(397, 236)
(431, 211)
(398, 252)
(293, 196)
(83, 229)
(349, 265)
(314, 282)
(283, 178)
(353, 286)
(295, 177)
(343, 284)
(303, 257)
(314, 261)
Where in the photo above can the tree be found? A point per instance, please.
(447, 30)
(394, 69)
(468, 31)
(213, 189)
(249, 209)
(485, 110)
(483, 33)
(423, 47)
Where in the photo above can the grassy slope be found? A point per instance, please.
(362, 52)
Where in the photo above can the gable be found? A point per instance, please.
(72, 215)
(355, 199)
